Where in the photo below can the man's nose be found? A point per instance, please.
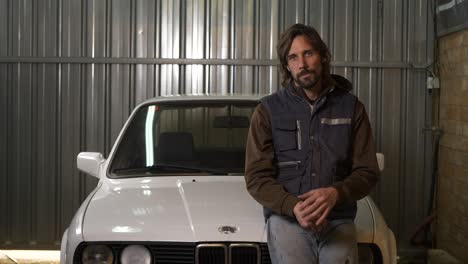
(302, 62)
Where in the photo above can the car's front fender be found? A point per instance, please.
(63, 247)
(383, 236)
(73, 236)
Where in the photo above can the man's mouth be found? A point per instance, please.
(306, 79)
(305, 74)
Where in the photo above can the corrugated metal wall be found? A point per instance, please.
(71, 71)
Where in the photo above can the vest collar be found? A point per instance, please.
(300, 96)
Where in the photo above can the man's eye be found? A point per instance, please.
(308, 53)
(292, 58)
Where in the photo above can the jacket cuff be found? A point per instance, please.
(288, 205)
(339, 186)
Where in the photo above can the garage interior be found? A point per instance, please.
(71, 71)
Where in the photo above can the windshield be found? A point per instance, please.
(184, 138)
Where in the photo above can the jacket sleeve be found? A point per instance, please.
(259, 167)
(365, 170)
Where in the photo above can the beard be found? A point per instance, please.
(307, 82)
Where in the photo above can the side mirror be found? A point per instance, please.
(381, 161)
(89, 162)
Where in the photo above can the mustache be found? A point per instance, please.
(305, 72)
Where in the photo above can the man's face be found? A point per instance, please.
(304, 63)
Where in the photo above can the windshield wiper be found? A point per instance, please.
(164, 166)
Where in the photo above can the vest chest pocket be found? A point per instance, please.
(287, 134)
(335, 135)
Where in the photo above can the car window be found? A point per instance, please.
(183, 138)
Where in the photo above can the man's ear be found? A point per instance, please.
(287, 67)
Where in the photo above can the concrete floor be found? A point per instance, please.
(438, 256)
(29, 256)
(434, 256)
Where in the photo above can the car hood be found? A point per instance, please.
(173, 208)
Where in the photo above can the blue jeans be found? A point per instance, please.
(289, 243)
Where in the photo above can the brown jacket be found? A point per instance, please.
(260, 170)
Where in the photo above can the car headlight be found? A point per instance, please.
(97, 254)
(135, 254)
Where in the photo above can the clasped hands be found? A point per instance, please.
(314, 207)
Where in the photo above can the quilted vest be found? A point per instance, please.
(312, 144)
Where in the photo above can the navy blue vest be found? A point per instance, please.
(312, 144)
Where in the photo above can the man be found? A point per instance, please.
(310, 156)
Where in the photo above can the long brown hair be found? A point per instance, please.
(284, 45)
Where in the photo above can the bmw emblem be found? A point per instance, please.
(228, 229)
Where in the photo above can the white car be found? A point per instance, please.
(172, 191)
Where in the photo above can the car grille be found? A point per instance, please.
(248, 254)
(193, 253)
(243, 253)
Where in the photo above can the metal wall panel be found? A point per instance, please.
(4, 108)
(416, 151)
(71, 72)
(390, 119)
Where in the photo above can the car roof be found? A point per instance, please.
(206, 97)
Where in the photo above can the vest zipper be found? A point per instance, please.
(299, 134)
(290, 163)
